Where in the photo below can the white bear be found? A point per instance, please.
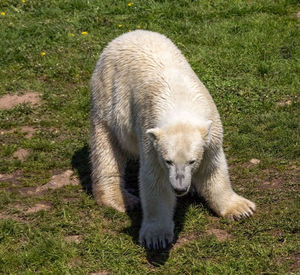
(148, 103)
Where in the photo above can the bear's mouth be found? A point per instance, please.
(181, 192)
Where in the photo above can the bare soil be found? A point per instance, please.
(11, 178)
(39, 207)
(21, 154)
(182, 240)
(57, 181)
(28, 130)
(284, 103)
(73, 239)
(10, 101)
(221, 235)
(100, 273)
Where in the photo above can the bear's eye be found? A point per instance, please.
(169, 162)
(192, 162)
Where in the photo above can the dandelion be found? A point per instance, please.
(23, 1)
(138, 26)
(84, 33)
(130, 4)
(43, 53)
(72, 34)
(2, 13)
(120, 25)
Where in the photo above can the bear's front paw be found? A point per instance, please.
(238, 207)
(154, 235)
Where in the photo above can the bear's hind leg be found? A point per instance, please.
(108, 166)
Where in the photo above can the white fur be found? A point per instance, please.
(148, 103)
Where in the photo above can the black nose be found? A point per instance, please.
(180, 191)
(180, 177)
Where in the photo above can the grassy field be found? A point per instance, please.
(247, 54)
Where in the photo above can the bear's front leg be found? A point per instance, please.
(108, 165)
(213, 183)
(158, 204)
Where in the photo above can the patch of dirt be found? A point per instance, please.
(296, 258)
(27, 190)
(39, 207)
(274, 179)
(274, 184)
(76, 261)
(11, 178)
(21, 154)
(70, 199)
(9, 101)
(284, 103)
(28, 130)
(103, 272)
(221, 235)
(56, 182)
(276, 233)
(298, 14)
(73, 239)
(59, 181)
(4, 216)
(182, 240)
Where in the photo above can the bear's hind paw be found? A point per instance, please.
(131, 201)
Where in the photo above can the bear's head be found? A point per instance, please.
(180, 149)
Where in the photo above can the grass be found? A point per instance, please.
(246, 53)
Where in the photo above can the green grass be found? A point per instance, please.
(246, 53)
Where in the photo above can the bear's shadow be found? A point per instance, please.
(81, 163)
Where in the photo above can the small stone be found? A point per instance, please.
(255, 161)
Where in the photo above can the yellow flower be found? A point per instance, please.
(138, 26)
(23, 1)
(84, 33)
(43, 53)
(72, 34)
(130, 4)
(120, 25)
(2, 13)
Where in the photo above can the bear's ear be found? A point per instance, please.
(205, 131)
(153, 133)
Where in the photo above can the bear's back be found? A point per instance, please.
(144, 46)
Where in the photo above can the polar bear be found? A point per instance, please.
(148, 103)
